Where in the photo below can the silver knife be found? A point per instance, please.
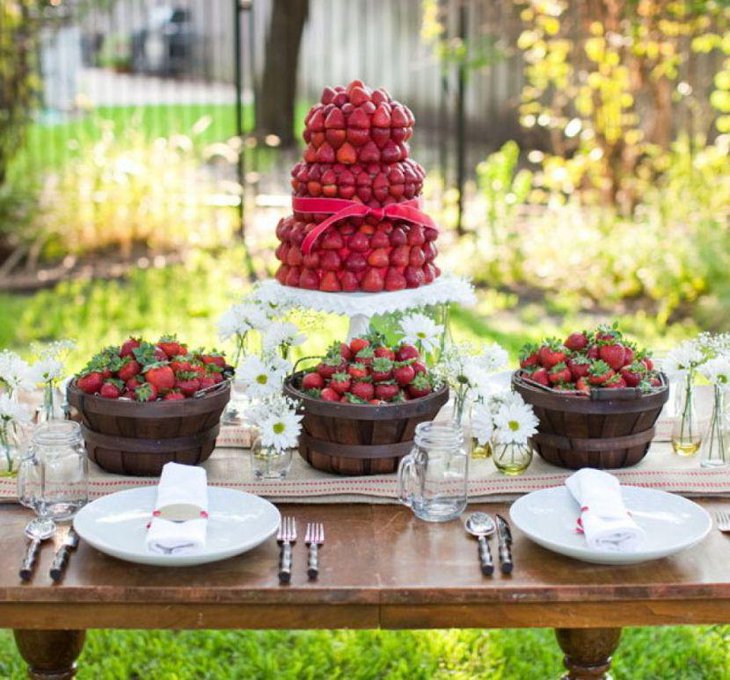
(60, 559)
(505, 545)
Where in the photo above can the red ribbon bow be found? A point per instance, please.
(341, 209)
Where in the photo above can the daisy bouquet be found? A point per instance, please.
(13, 416)
(714, 451)
(48, 371)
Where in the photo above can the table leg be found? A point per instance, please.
(587, 651)
(50, 654)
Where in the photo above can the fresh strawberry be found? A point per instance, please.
(592, 352)
(420, 387)
(629, 353)
(160, 376)
(328, 394)
(386, 391)
(362, 390)
(633, 374)
(599, 372)
(646, 360)
(608, 334)
(551, 353)
(133, 383)
(340, 383)
(357, 344)
(312, 381)
(419, 367)
(173, 395)
(373, 281)
(329, 366)
(208, 381)
(539, 376)
(129, 368)
(577, 341)
(384, 353)
(582, 385)
(365, 356)
(128, 346)
(529, 356)
(111, 389)
(559, 373)
(404, 374)
(614, 382)
(90, 382)
(357, 371)
(187, 383)
(145, 392)
(406, 352)
(613, 354)
(344, 349)
(171, 347)
(382, 369)
(213, 359)
(578, 366)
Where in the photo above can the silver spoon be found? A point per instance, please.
(481, 525)
(37, 533)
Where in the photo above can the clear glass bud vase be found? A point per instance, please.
(714, 451)
(11, 446)
(686, 431)
(511, 458)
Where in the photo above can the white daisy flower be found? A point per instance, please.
(281, 429)
(271, 298)
(482, 423)
(12, 411)
(687, 356)
(262, 378)
(493, 357)
(515, 423)
(717, 370)
(281, 333)
(422, 331)
(15, 373)
(46, 370)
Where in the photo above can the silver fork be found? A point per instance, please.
(286, 537)
(314, 538)
(722, 519)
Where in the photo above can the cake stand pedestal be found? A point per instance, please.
(360, 307)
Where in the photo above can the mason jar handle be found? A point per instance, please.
(405, 479)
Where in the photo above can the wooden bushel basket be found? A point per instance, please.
(612, 428)
(133, 438)
(355, 439)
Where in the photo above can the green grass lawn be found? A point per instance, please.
(677, 653)
(187, 299)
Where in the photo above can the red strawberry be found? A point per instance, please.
(335, 119)
(608, 334)
(400, 256)
(145, 392)
(647, 362)
(614, 382)
(404, 374)
(613, 354)
(582, 385)
(347, 154)
(308, 279)
(358, 344)
(160, 376)
(357, 371)
(633, 374)
(420, 387)
(214, 360)
(629, 353)
(539, 376)
(208, 381)
(332, 240)
(363, 390)
(90, 382)
(394, 280)
(419, 367)
(171, 347)
(372, 282)
(378, 257)
(576, 341)
(406, 352)
(358, 242)
(599, 373)
(365, 356)
(329, 366)
(312, 381)
(381, 117)
(340, 383)
(128, 346)
(129, 369)
(344, 350)
(328, 394)
(173, 395)
(111, 389)
(385, 352)
(349, 282)
(579, 366)
(386, 391)
(382, 369)
(188, 384)
(528, 356)
(551, 353)
(330, 283)
(592, 352)
(559, 373)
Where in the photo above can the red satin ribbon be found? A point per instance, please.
(341, 209)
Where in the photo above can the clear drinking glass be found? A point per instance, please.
(432, 478)
(53, 478)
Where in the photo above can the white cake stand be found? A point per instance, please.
(360, 307)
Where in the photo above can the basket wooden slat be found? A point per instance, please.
(355, 439)
(600, 432)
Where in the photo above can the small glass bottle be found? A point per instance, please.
(11, 447)
(715, 450)
(686, 431)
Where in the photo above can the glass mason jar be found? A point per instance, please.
(433, 477)
(686, 431)
(511, 458)
(53, 477)
(268, 462)
(716, 442)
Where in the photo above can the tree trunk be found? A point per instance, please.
(277, 92)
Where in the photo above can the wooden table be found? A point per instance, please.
(381, 568)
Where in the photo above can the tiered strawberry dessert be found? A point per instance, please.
(357, 222)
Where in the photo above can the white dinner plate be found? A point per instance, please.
(117, 524)
(672, 523)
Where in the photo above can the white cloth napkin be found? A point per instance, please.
(179, 521)
(604, 520)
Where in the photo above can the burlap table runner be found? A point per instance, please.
(230, 466)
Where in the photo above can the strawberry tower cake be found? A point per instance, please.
(357, 222)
